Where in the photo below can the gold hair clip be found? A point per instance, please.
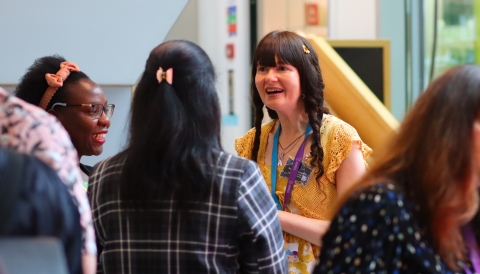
(305, 49)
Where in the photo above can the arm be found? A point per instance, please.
(308, 229)
(350, 170)
(261, 247)
(312, 230)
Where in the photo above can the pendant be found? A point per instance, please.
(280, 162)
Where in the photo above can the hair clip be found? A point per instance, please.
(305, 49)
(165, 75)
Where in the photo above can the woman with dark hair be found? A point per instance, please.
(60, 88)
(411, 212)
(307, 156)
(173, 201)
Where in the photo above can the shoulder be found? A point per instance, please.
(109, 166)
(235, 166)
(380, 206)
(244, 144)
(332, 125)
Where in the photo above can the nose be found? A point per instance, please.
(104, 120)
(271, 75)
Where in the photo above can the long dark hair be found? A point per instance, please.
(431, 159)
(288, 47)
(174, 137)
(33, 85)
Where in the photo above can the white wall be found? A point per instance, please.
(353, 19)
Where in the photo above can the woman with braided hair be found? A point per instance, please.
(316, 156)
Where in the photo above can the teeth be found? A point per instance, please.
(99, 136)
(274, 90)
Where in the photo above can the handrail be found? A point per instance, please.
(351, 100)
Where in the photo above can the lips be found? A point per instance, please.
(274, 90)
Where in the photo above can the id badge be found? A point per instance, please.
(303, 175)
(292, 252)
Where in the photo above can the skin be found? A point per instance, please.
(294, 120)
(86, 132)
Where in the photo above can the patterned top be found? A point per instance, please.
(312, 200)
(377, 232)
(30, 130)
(237, 230)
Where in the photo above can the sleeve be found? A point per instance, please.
(244, 144)
(365, 235)
(338, 146)
(261, 240)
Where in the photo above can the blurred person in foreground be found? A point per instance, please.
(34, 202)
(412, 211)
(173, 201)
(30, 130)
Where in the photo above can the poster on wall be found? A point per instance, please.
(232, 20)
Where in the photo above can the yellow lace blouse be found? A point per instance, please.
(313, 200)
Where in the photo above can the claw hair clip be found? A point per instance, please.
(305, 49)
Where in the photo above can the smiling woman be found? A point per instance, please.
(60, 88)
(307, 156)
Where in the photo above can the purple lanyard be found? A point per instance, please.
(293, 172)
(472, 247)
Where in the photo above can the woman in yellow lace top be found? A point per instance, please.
(317, 156)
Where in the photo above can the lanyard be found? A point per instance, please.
(293, 171)
(471, 243)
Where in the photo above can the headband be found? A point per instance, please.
(55, 81)
(165, 75)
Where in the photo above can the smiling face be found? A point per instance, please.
(279, 87)
(87, 133)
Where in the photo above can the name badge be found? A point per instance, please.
(303, 175)
(292, 252)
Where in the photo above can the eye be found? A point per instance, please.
(95, 109)
(261, 69)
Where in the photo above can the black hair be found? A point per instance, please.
(33, 85)
(174, 136)
(291, 48)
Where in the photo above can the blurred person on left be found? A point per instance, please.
(30, 130)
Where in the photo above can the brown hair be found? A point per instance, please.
(431, 159)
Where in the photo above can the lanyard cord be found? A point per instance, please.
(293, 171)
(472, 247)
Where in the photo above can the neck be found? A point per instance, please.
(293, 125)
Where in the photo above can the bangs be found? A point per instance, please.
(275, 47)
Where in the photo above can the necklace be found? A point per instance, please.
(286, 150)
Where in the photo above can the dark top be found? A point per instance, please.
(236, 230)
(40, 205)
(377, 232)
(86, 169)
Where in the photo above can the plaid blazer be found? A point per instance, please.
(236, 230)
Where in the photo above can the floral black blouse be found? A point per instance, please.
(377, 232)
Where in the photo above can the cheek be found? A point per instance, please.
(259, 82)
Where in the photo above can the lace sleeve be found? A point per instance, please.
(337, 146)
